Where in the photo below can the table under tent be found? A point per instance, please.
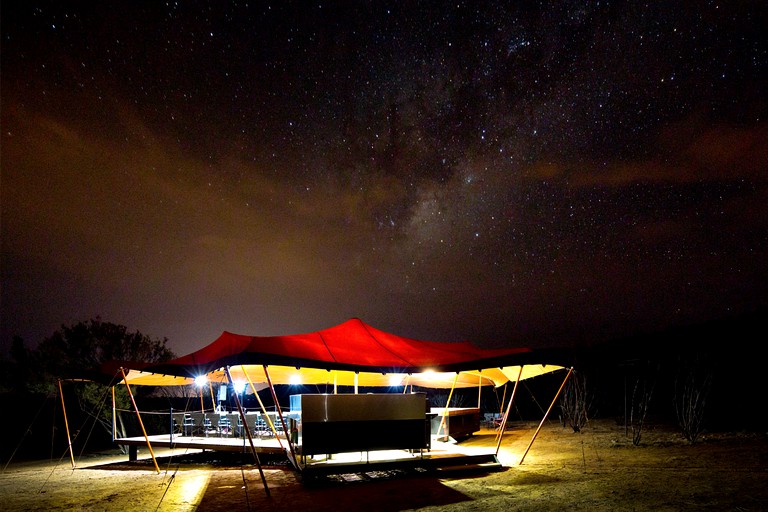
(315, 427)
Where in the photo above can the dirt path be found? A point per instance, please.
(599, 469)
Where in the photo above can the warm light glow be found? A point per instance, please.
(239, 386)
(295, 379)
(190, 489)
(201, 380)
(396, 379)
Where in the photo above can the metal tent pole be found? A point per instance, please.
(141, 423)
(114, 415)
(282, 420)
(505, 416)
(66, 425)
(213, 398)
(479, 388)
(263, 409)
(248, 432)
(503, 398)
(546, 414)
(443, 422)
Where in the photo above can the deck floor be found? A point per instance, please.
(212, 442)
(441, 454)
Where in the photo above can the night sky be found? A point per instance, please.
(510, 173)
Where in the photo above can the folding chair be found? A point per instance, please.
(239, 431)
(225, 426)
(188, 425)
(207, 426)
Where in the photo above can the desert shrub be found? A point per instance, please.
(692, 387)
(576, 402)
(642, 392)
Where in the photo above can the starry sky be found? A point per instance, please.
(510, 173)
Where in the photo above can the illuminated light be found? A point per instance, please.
(396, 379)
(295, 379)
(430, 375)
(239, 386)
(201, 380)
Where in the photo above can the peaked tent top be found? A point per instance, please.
(350, 348)
(352, 345)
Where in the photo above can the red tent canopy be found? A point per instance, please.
(340, 355)
(352, 345)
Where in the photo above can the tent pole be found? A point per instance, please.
(202, 406)
(357, 379)
(335, 383)
(138, 415)
(505, 416)
(570, 370)
(253, 388)
(479, 388)
(66, 425)
(447, 404)
(114, 412)
(503, 398)
(280, 414)
(247, 431)
(213, 398)
(272, 426)
(263, 409)
(407, 380)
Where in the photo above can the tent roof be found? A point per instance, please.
(351, 347)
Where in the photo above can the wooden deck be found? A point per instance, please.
(441, 457)
(214, 443)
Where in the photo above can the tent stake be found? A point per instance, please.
(141, 423)
(570, 370)
(505, 416)
(248, 432)
(66, 425)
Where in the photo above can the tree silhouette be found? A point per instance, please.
(77, 350)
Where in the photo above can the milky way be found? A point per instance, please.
(505, 173)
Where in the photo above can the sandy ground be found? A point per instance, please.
(598, 469)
